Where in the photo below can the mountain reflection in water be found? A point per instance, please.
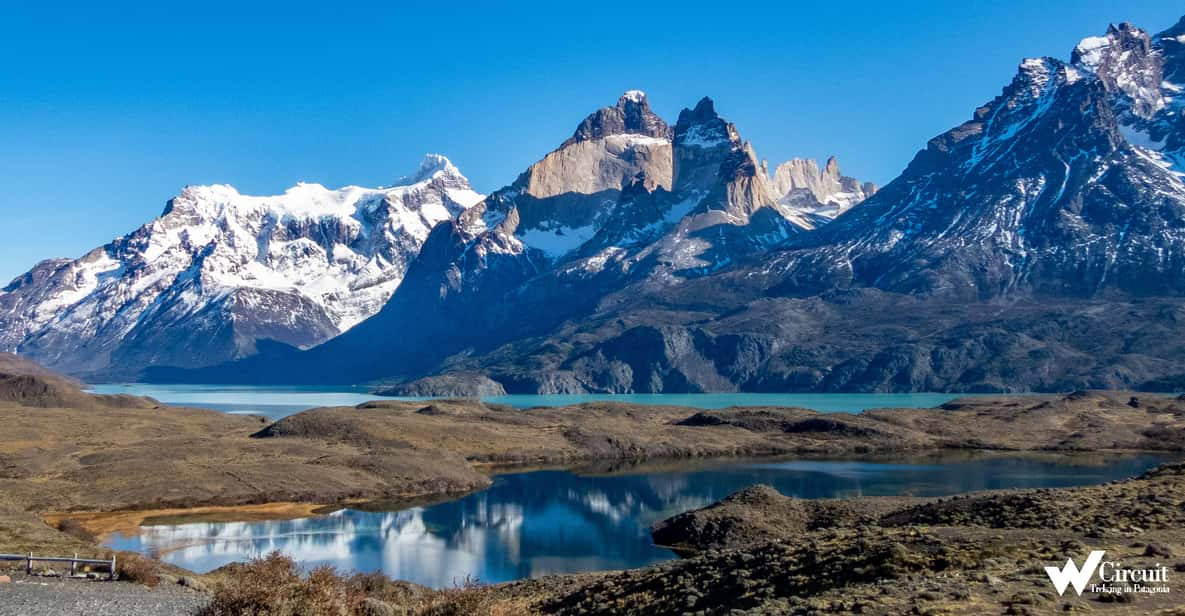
(547, 522)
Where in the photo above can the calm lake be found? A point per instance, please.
(530, 524)
(277, 402)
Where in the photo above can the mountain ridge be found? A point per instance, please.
(620, 202)
(218, 272)
(1057, 225)
(1039, 245)
(1035, 247)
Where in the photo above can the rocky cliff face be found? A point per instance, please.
(218, 272)
(821, 195)
(1145, 76)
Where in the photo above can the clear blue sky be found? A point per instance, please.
(108, 109)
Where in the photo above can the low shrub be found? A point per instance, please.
(273, 586)
(75, 529)
(133, 567)
(470, 598)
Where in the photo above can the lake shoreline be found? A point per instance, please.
(452, 447)
(85, 456)
(277, 402)
(103, 522)
(605, 514)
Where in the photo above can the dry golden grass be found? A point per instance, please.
(273, 586)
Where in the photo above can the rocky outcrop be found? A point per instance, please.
(823, 195)
(26, 384)
(631, 115)
(464, 385)
(760, 513)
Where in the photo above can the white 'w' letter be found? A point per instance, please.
(1072, 575)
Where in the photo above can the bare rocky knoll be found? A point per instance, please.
(29, 384)
(758, 552)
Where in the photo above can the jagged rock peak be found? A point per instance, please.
(631, 116)
(804, 173)
(1092, 50)
(800, 183)
(431, 166)
(703, 145)
(1176, 31)
(1125, 61)
(702, 127)
(1172, 45)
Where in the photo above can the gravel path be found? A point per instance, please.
(39, 596)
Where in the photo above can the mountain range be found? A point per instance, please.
(219, 273)
(1038, 246)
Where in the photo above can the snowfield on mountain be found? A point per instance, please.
(218, 272)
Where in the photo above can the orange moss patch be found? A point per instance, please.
(101, 523)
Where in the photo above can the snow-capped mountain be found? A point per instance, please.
(1146, 78)
(627, 195)
(627, 199)
(1038, 246)
(219, 271)
(1065, 184)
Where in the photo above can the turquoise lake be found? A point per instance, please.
(277, 402)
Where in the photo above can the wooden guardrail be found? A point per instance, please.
(74, 562)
